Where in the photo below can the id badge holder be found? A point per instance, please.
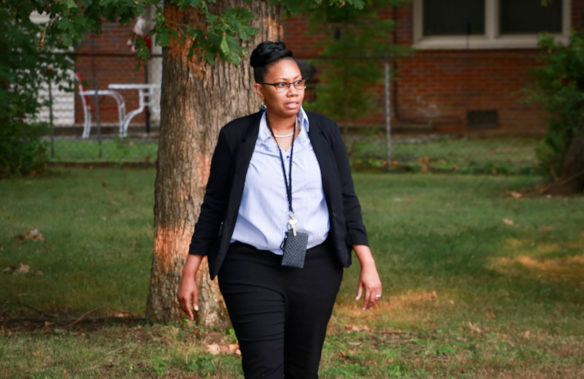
(294, 247)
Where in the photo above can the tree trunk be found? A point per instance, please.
(571, 176)
(197, 99)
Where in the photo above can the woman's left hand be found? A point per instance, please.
(369, 282)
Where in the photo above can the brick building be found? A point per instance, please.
(470, 60)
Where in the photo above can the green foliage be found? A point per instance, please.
(21, 150)
(31, 56)
(356, 43)
(559, 87)
(220, 35)
(24, 67)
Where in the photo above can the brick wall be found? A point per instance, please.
(436, 88)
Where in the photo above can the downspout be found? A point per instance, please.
(395, 66)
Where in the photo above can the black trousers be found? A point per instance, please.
(279, 314)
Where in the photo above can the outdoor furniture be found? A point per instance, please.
(146, 93)
(88, 100)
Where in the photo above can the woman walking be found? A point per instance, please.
(278, 222)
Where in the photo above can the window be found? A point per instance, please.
(459, 17)
(488, 24)
(529, 16)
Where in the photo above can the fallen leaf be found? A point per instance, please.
(473, 327)
(32, 234)
(515, 194)
(545, 229)
(234, 349)
(214, 349)
(358, 328)
(424, 159)
(22, 269)
(527, 334)
(508, 222)
(122, 314)
(491, 315)
(424, 168)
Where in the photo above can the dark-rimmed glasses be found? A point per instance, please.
(285, 86)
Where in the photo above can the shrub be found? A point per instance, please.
(21, 149)
(25, 67)
(559, 87)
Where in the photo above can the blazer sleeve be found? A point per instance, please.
(352, 209)
(209, 225)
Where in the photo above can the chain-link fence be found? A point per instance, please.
(112, 115)
(108, 112)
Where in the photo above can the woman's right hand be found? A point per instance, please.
(188, 294)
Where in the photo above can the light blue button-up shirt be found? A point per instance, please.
(263, 217)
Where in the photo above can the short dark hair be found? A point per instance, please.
(265, 54)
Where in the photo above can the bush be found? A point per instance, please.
(26, 65)
(21, 150)
(559, 87)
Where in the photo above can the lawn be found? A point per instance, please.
(423, 153)
(482, 278)
(447, 154)
(111, 150)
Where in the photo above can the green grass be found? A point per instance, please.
(114, 151)
(97, 226)
(472, 155)
(477, 283)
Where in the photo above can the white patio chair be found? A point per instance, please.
(88, 100)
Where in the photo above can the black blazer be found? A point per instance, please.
(229, 164)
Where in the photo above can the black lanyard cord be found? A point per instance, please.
(287, 181)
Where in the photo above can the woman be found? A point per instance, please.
(277, 224)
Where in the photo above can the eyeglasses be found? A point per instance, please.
(285, 86)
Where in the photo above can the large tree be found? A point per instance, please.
(199, 95)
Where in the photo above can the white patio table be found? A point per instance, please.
(146, 94)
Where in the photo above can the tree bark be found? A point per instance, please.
(571, 176)
(197, 99)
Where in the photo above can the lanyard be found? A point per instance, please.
(287, 181)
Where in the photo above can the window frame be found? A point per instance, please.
(492, 39)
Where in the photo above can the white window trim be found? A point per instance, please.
(492, 39)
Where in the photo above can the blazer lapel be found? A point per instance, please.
(322, 151)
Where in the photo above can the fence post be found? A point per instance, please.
(97, 118)
(51, 120)
(387, 118)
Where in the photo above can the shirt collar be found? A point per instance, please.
(264, 133)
